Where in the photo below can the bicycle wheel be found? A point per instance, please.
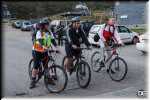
(55, 79)
(30, 68)
(95, 61)
(63, 62)
(118, 69)
(83, 74)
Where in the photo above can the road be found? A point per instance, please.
(17, 53)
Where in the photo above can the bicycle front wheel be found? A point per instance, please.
(83, 74)
(55, 79)
(30, 68)
(118, 69)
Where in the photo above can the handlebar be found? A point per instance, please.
(116, 45)
(53, 51)
(84, 48)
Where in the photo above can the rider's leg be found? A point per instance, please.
(34, 73)
(35, 69)
(68, 63)
(69, 59)
(45, 57)
(108, 52)
(45, 64)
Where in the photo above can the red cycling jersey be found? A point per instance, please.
(108, 34)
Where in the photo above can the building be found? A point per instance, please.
(130, 13)
(5, 12)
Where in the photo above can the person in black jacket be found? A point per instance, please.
(77, 36)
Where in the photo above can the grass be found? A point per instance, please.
(139, 30)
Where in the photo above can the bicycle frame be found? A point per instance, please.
(78, 59)
(114, 52)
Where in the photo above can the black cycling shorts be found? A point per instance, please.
(70, 52)
(38, 57)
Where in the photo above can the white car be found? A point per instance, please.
(143, 44)
(126, 35)
(26, 26)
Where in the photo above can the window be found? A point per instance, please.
(122, 29)
(27, 23)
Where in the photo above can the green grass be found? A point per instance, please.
(139, 30)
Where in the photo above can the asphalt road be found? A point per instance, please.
(17, 48)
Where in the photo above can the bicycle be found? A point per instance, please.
(82, 69)
(53, 73)
(98, 63)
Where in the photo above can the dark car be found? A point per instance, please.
(87, 26)
(17, 24)
(35, 21)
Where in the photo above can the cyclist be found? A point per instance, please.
(42, 42)
(75, 37)
(107, 35)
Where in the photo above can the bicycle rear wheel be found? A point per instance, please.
(30, 68)
(95, 61)
(118, 69)
(55, 79)
(83, 74)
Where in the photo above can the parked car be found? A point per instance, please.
(87, 26)
(17, 24)
(126, 35)
(143, 44)
(26, 26)
(34, 21)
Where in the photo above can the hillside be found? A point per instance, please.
(22, 9)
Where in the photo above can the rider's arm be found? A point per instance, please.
(117, 37)
(84, 38)
(71, 37)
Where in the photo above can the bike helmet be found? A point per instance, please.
(43, 23)
(75, 19)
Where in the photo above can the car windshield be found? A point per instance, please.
(18, 22)
(27, 23)
(95, 29)
(122, 29)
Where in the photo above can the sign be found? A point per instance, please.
(123, 16)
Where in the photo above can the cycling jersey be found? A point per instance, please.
(76, 37)
(107, 33)
(42, 39)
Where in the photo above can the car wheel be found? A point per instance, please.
(135, 40)
(144, 52)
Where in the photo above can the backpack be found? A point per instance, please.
(107, 34)
(96, 37)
